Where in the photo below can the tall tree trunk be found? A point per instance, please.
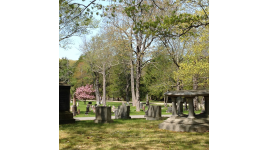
(147, 99)
(132, 82)
(97, 93)
(104, 87)
(195, 86)
(127, 86)
(138, 76)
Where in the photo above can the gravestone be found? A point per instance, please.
(77, 104)
(198, 106)
(203, 107)
(143, 108)
(74, 110)
(141, 105)
(93, 109)
(185, 106)
(78, 111)
(147, 103)
(153, 113)
(65, 116)
(103, 114)
(169, 110)
(123, 112)
(116, 112)
(87, 110)
(113, 109)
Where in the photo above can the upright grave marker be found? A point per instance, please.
(153, 113)
(65, 116)
(103, 114)
(123, 112)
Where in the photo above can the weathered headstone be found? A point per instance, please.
(116, 112)
(123, 112)
(141, 105)
(147, 103)
(65, 116)
(143, 108)
(78, 111)
(202, 106)
(93, 109)
(198, 106)
(113, 109)
(103, 114)
(169, 109)
(87, 110)
(74, 110)
(180, 106)
(153, 113)
(77, 104)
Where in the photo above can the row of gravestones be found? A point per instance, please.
(103, 113)
(198, 107)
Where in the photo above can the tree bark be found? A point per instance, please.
(104, 87)
(138, 76)
(147, 100)
(127, 86)
(195, 86)
(132, 82)
(97, 93)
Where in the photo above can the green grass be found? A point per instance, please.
(133, 111)
(127, 134)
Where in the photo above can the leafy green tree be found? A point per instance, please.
(65, 70)
(100, 56)
(194, 70)
(158, 75)
(75, 19)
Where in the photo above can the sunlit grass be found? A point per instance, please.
(133, 111)
(127, 134)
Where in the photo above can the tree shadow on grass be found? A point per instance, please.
(135, 134)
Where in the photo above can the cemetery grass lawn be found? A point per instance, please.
(127, 134)
(83, 106)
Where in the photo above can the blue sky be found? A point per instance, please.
(73, 53)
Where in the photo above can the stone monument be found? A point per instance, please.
(113, 108)
(65, 116)
(87, 110)
(191, 122)
(141, 105)
(103, 114)
(123, 112)
(153, 113)
(169, 110)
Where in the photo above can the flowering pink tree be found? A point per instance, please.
(84, 92)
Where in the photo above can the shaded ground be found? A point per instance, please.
(127, 134)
